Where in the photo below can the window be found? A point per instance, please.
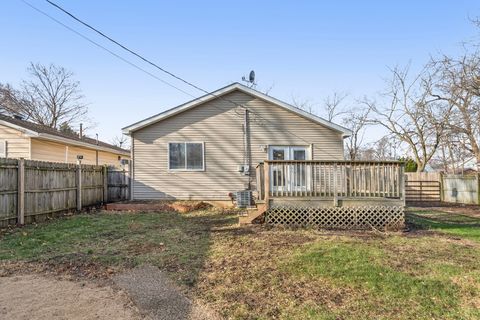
(187, 156)
(3, 148)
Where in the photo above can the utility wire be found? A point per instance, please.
(107, 50)
(139, 55)
(256, 115)
(126, 48)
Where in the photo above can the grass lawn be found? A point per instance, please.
(460, 225)
(261, 273)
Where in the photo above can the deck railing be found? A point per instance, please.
(330, 179)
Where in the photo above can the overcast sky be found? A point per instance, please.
(307, 49)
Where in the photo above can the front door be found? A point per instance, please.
(290, 177)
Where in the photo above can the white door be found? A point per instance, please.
(291, 177)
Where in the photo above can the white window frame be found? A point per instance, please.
(186, 169)
(5, 148)
(289, 150)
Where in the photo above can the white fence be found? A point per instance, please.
(460, 189)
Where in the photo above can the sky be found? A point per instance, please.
(306, 49)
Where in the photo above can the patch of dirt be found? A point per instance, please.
(165, 206)
(42, 297)
(70, 267)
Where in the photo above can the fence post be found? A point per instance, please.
(442, 195)
(266, 168)
(105, 184)
(124, 185)
(79, 187)
(130, 180)
(21, 192)
(478, 188)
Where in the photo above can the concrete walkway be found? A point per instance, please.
(157, 296)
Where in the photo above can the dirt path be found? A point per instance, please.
(40, 297)
(157, 296)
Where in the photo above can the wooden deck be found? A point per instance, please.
(345, 194)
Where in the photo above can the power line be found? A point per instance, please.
(125, 47)
(154, 65)
(106, 49)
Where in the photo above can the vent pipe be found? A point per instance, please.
(80, 134)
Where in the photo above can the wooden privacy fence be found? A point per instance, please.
(30, 190)
(423, 187)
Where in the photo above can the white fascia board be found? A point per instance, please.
(28, 132)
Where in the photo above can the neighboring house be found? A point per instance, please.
(24, 139)
(209, 147)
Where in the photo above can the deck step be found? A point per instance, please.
(252, 214)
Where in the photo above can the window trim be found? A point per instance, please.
(186, 169)
(5, 148)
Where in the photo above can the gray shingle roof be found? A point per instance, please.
(44, 129)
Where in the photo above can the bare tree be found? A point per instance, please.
(411, 115)
(121, 141)
(334, 105)
(10, 99)
(50, 97)
(459, 87)
(385, 148)
(355, 120)
(303, 104)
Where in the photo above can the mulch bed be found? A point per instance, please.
(168, 206)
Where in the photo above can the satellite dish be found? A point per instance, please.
(250, 80)
(251, 77)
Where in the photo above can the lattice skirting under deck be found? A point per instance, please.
(357, 217)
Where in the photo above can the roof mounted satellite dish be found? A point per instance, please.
(251, 79)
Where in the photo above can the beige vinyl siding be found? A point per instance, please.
(89, 155)
(48, 151)
(57, 152)
(18, 145)
(218, 124)
(109, 158)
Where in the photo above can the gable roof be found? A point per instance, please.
(35, 130)
(223, 91)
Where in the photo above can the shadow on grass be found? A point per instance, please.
(449, 223)
(84, 244)
(98, 245)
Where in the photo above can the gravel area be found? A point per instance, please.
(158, 297)
(28, 297)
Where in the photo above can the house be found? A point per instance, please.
(237, 140)
(201, 150)
(24, 139)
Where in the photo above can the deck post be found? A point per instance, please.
(266, 175)
(21, 192)
(335, 191)
(401, 181)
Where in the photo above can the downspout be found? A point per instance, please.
(246, 143)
